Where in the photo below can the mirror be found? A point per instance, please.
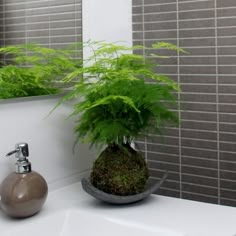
(53, 24)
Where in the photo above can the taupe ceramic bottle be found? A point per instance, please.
(24, 192)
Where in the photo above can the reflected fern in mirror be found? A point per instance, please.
(31, 70)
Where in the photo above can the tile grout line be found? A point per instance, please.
(144, 54)
(217, 100)
(75, 29)
(4, 28)
(179, 110)
(49, 26)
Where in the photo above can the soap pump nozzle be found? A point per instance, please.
(21, 153)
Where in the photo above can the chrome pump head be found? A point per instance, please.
(21, 153)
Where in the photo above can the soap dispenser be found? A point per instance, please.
(24, 191)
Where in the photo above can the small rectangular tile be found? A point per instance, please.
(62, 2)
(174, 132)
(227, 108)
(201, 79)
(225, 12)
(226, 31)
(14, 7)
(15, 41)
(227, 137)
(162, 140)
(15, 35)
(227, 60)
(38, 33)
(226, 41)
(166, 69)
(222, 22)
(227, 98)
(199, 42)
(207, 98)
(226, 50)
(163, 157)
(168, 192)
(223, 3)
(229, 194)
(160, 17)
(160, 26)
(230, 127)
(229, 147)
(196, 125)
(189, 33)
(184, 6)
(208, 135)
(210, 154)
(197, 14)
(161, 35)
(137, 18)
(200, 171)
(138, 27)
(42, 40)
(36, 19)
(160, 8)
(228, 202)
(199, 180)
(191, 143)
(16, 20)
(226, 184)
(159, 173)
(197, 61)
(228, 118)
(138, 35)
(201, 198)
(150, 2)
(163, 148)
(227, 156)
(227, 70)
(137, 2)
(191, 24)
(200, 50)
(137, 9)
(228, 175)
(163, 166)
(204, 70)
(66, 24)
(207, 107)
(198, 88)
(199, 162)
(210, 191)
(171, 185)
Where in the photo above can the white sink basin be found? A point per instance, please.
(74, 222)
(70, 211)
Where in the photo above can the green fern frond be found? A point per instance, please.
(117, 102)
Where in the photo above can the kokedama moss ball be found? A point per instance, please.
(120, 171)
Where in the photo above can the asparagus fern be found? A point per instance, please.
(116, 102)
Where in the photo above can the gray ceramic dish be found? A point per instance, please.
(115, 199)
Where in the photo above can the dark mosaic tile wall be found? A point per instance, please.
(52, 23)
(200, 155)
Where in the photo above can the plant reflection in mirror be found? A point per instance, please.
(31, 70)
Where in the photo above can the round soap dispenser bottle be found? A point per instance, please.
(24, 191)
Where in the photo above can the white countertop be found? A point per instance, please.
(189, 218)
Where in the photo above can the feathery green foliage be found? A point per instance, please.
(116, 102)
(31, 70)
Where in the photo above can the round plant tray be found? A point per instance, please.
(115, 199)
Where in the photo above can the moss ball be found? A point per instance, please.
(120, 170)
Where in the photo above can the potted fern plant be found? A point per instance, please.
(120, 98)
